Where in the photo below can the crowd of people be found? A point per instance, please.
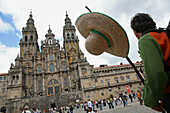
(111, 102)
(92, 106)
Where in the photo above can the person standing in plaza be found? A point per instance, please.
(108, 102)
(124, 98)
(111, 103)
(154, 50)
(97, 104)
(100, 105)
(71, 109)
(115, 100)
(130, 96)
(89, 104)
(139, 97)
(26, 109)
(67, 109)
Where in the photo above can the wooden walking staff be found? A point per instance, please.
(137, 72)
(104, 34)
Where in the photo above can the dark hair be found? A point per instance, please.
(142, 22)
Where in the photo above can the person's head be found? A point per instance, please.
(26, 107)
(142, 22)
(34, 109)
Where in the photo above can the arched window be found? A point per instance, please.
(50, 82)
(50, 90)
(53, 87)
(39, 70)
(50, 57)
(122, 77)
(26, 38)
(17, 77)
(51, 67)
(56, 89)
(31, 38)
(72, 36)
(68, 36)
(55, 82)
(40, 86)
(65, 82)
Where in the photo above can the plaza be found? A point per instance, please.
(134, 107)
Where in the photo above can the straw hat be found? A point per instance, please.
(102, 34)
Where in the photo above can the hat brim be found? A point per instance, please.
(107, 26)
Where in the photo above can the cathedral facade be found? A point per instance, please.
(48, 70)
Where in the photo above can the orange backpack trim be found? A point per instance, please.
(164, 42)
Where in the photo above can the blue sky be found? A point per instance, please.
(14, 15)
(9, 37)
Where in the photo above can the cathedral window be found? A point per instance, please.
(4, 84)
(39, 70)
(72, 36)
(108, 83)
(40, 86)
(50, 90)
(50, 41)
(17, 77)
(122, 77)
(53, 87)
(68, 36)
(31, 38)
(26, 38)
(51, 67)
(50, 57)
(65, 82)
(56, 89)
(50, 82)
(3, 90)
(116, 79)
(55, 82)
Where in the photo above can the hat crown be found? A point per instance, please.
(95, 44)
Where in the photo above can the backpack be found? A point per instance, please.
(167, 30)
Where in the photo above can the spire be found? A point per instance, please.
(68, 25)
(49, 30)
(49, 34)
(30, 21)
(67, 19)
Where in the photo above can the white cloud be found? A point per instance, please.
(5, 27)
(7, 56)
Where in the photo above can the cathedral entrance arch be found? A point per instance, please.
(53, 87)
(3, 109)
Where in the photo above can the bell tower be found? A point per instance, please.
(29, 42)
(71, 41)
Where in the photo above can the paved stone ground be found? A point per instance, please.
(134, 107)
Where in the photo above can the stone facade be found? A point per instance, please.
(54, 75)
